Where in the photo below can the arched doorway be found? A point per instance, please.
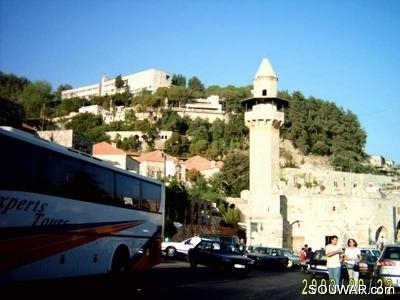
(381, 237)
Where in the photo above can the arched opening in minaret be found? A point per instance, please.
(264, 92)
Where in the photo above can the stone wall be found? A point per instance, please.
(349, 205)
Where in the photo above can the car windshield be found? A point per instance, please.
(260, 250)
(392, 253)
(368, 258)
(376, 252)
(287, 252)
(319, 255)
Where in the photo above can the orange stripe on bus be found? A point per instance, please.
(20, 251)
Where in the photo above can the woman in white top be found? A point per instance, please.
(352, 255)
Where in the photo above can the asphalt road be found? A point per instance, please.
(175, 280)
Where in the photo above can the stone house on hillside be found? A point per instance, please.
(158, 164)
(67, 138)
(115, 156)
(206, 167)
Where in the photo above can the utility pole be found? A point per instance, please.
(164, 155)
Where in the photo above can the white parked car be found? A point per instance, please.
(179, 249)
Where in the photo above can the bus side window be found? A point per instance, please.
(128, 187)
(145, 205)
(151, 195)
(136, 203)
(64, 180)
(128, 202)
(101, 182)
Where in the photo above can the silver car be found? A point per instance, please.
(387, 268)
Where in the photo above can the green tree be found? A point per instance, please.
(149, 131)
(193, 175)
(122, 99)
(232, 97)
(196, 87)
(161, 96)
(177, 145)
(231, 216)
(11, 113)
(235, 133)
(88, 125)
(67, 106)
(12, 86)
(130, 118)
(63, 87)
(131, 143)
(210, 189)
(119, 82)
(321, 128)
(199, 129)
(234, 174)
(199, 147)
(170, 120)
(176, 202)
(35, 97)
(177, 96)
(179, 80)
(169, 228)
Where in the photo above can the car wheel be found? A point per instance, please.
(290, 264)
(170, 252)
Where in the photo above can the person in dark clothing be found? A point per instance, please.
(310, 254)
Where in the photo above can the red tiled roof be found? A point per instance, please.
(200, 163)
(154, 156)
(104, 148)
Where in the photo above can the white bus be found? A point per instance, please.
(64, 213)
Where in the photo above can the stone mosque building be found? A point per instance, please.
(291, 207)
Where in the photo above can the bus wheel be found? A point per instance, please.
(120, 261)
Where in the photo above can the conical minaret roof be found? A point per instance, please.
(265, 70)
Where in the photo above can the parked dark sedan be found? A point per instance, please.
(367, 265)
(268, 258)
(220, 255)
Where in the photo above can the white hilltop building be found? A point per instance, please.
(291, 207)
(148, 80)
(209, 108)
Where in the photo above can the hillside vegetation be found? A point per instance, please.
(314, 126)
(315, 132)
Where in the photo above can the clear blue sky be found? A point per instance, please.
(346, 52)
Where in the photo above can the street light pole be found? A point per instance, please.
(165, 164)
(178, 172)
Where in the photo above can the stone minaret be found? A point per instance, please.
(264, 116)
